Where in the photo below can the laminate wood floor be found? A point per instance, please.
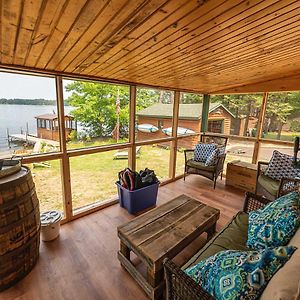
(82, 263)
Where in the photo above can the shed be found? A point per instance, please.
(47, 126)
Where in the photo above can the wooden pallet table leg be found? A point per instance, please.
(156, 280)
(125, 250)
(211, 231)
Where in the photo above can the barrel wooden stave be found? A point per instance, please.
(19, 227)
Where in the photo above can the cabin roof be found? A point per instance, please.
(199, 45)
(186, 111)
(51, 117)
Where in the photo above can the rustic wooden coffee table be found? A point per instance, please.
(163, 232)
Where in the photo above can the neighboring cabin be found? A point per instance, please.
(47, 126)
(160, 115)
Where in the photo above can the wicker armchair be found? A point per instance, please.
(271, 188)
(180, 286)
(210, 172)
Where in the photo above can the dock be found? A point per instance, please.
(31, 139)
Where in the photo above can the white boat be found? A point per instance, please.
(180, 131)
(146, 128)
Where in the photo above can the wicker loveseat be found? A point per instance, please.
(232, 237)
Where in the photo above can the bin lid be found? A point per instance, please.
(50, 217)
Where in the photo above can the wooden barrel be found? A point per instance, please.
(19, 227)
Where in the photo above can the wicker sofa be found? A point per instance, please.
(232, 237)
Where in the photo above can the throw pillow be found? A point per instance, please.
(275, 224)
(202, 151)
(212, 159)
(237, 275)
(280, 166)
(285, 284)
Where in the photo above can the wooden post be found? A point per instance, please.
(260, 124)
(132, 110)
(65, 163)
(205, 112)
(173, 153)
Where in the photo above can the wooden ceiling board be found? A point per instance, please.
(230, 59)
(151, 27)
(210, 48)
(227, 44)
(114, 20)
(123, 32)
(185, 15)
(207, 46)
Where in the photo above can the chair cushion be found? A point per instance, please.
(275, 224)
(199, 165)
(269, 184)
(236, 275)
(233, 236)
(285, 284)
(212, 159)
(281, 166)
(203, 151)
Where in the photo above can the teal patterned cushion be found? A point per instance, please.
(238, 275)
(275, 224)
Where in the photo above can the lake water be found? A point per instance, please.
(16, 117)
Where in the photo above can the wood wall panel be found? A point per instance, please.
(202, 46)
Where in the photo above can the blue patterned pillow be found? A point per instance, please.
(203, 151)
(238, 275)
(275, 224)
(281, 166)
(213, 158)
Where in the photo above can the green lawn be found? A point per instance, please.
(93, 176)
(285, 136)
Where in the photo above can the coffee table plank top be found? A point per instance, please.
(165, 229)
(152, 215)
(184, 229)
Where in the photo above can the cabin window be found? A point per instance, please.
(48, 124)
(41, 123)
(216, 126)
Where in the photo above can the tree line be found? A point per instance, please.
(18, 101)
(95, 106)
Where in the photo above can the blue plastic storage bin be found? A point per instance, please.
(137, 200)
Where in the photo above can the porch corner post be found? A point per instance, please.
(260, 124)
(205, 112)
(132, 116)
(173, 153)
(65, 163)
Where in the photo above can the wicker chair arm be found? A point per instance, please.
(188, 154)
(220, 163)
(253, 202)
(181, 286)
(288, 185)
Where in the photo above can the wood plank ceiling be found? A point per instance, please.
(210, 46)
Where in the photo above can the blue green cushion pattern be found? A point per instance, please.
(275, 224)
(237, 275)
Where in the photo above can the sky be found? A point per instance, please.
(26, 86)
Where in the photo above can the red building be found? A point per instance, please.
(160, 115)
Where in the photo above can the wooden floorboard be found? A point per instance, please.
(82, 263)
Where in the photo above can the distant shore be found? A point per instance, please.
(28, 101)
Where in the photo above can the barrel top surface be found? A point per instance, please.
(23, 172)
